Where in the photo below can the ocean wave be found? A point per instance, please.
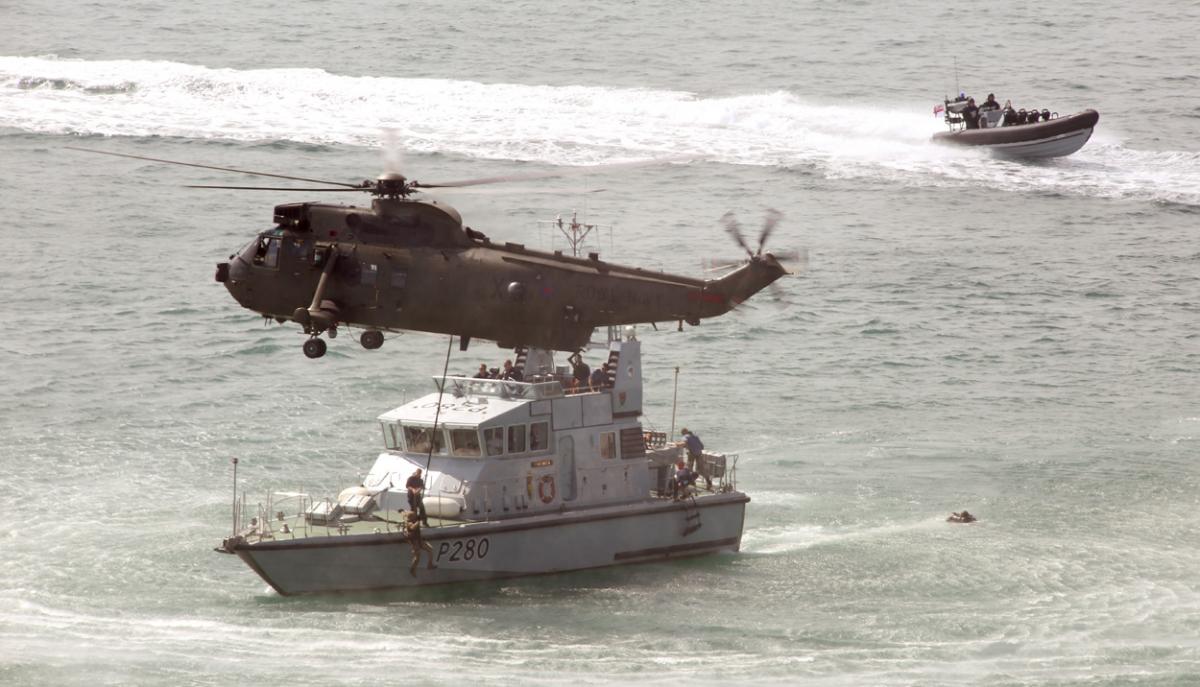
(569, 125)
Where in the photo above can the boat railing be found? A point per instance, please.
(533, 390)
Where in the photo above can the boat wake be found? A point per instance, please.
(572, 125)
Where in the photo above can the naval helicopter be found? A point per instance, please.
(406, 263)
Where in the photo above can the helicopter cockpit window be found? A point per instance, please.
(266, 254)
(418, 439)
(465, 443)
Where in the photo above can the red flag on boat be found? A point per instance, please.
(937, 109)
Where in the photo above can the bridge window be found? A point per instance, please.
(419, 439)
(465, 443)
(493, 439)
(539, 436)
(516, 439)
(392, 436)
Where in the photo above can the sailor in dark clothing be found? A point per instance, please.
(989, 104)
(695, 454)
(599, 378)
(416, 496)
(483, 372)
(1010, 115)
(580, 370)
(970, 114)
(511, 373)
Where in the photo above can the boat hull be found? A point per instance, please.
(1055, 138)
(534, 545)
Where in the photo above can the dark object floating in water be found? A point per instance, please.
(961, 517)
(1016, 133)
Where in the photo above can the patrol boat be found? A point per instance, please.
(1011, 134)
(522, 478)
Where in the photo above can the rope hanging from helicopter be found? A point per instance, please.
(437, 414)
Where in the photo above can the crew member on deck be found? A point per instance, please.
(989, 104)
(683, 480)
(970, 114)
(483, 372)
(695, 447)
(416, 496)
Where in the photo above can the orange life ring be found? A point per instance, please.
(546, 488)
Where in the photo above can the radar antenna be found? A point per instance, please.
(574, 231)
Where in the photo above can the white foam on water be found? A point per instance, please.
(572, 125)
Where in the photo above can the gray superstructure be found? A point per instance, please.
(522, 478)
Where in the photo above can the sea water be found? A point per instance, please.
(1016, 339)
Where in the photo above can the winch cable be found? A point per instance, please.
(438, 413)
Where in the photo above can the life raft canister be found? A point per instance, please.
(546, 488)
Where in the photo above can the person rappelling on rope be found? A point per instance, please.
(412, 531)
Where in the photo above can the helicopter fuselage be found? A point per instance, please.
(411, 265)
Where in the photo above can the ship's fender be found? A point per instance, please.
(546, 490)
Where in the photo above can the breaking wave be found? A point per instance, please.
(571, 125)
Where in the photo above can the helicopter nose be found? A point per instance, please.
(222, 272)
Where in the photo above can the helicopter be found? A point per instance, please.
(406, 263)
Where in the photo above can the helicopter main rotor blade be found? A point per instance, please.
(219, 169)
(277, 188)
(572, 171)
(508, 191)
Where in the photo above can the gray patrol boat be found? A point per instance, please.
(522, 478)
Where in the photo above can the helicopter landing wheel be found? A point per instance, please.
(314, 347)
(371, 339)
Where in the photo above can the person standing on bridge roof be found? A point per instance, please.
(695, 449)
(511, 373)
(599, 378)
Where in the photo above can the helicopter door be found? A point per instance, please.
(368, 276)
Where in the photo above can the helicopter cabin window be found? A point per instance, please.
(493, 439)
(392, 436)
(539, 436)
(370, 273)
(465, 443)
(418, 439)
(516, 439)
(266, 254)
(608, 444)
